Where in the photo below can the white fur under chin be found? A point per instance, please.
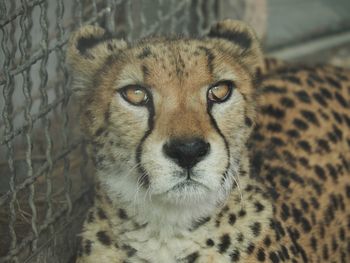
(167, 214)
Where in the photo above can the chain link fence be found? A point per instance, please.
(45, 184)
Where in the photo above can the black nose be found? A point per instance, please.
(186, 152)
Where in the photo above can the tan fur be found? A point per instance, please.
(137, 215)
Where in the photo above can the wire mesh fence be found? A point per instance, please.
(45, 184)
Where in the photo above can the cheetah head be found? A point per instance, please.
(168, 118)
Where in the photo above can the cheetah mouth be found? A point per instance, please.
(187, 186)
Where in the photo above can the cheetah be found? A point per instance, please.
(205, 151)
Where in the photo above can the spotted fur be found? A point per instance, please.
(273, 184)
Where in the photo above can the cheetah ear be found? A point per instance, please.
(240, 40)
(88, 49)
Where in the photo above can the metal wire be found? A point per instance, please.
(44, 103)
(61, 68)
(6, 113)
(36, 113)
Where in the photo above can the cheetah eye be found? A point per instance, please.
(220, 91)
(135, 95)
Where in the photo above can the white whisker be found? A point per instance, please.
(235, 177)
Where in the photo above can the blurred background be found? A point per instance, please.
(45, 173)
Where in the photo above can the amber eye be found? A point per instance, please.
(220, 91)
(135, 95)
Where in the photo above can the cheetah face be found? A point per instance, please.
(168, 118)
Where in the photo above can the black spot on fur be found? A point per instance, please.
(285, 252)
(240, 237)
(347, 120)
(310, 116)
(242, 213)
(210, 242)
(272, 111)
(235, 255)
(341, 100)
(274, 127)
(101, 214)
(287, 102)
(256, 228)
(320, 172)
(267, 241)
(300, 124)
(274, 257)
(248, 121)
(122, 214)
(326, 93)
(279, 230)
(250, 248)
(333, 82)
(192, 257)
(337, 117)
(130, 251)
(347, 191)
(99, 131)
(316, 78)
(342, 234)
(325, 252)
(304, 204)
(146, 52)
(305, 225)
(338, 133)
(240, 38)
(303, 96)
(277, 141)
(274, 89)
(323, 144)
(104, 238)
(284, 182)
(332, 171)
(232, 219)
(258, 207)
(292, 79)
(87, 247)
(225, 242)
(285, 212)
(293, 133)
(261, 255)
(318, 97)
(313, 243)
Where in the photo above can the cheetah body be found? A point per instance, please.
(279, 195)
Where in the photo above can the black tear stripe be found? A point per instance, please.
(144, 177)
(240, 38)
(210, 58)
(216, 127)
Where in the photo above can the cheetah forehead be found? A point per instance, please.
(230, 46)
(184, 64)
